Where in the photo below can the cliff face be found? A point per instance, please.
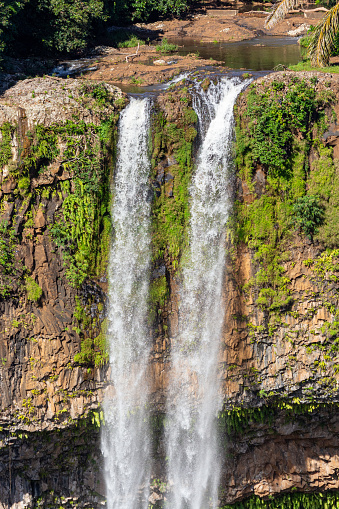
(279, 365)
(56, 150)
(280, 335)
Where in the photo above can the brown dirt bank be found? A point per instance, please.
(147, 68)
(219, 25)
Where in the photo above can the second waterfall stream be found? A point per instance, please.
(193, 396)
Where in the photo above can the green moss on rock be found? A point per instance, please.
(276, 131)
(170, 213)
(34, 292)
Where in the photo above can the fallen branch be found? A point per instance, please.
(132, 54)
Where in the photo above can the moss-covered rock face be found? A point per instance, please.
(57, 147)
(57, 144)
(281, 337)
(283, 216)
(280, 368)
(173, 135)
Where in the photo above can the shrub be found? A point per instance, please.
(97, 91)
(308, 214)
(33, 290)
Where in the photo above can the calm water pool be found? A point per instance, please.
(259, 54)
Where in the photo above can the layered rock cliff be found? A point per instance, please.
(279, 365)
(56, 151)
(281, 353)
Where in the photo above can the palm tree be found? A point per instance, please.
(322, 39)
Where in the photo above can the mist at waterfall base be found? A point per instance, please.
(194, 399)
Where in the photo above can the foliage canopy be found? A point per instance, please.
(54, 27)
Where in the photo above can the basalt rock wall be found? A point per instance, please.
(57, 149)
(280, 336)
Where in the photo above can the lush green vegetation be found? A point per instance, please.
(82, 226)
(281, 124)
(8, 243)
(295, 500)
(50, 27)
(170, 211)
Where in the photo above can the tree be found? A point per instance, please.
(7, 9)
(40, 27)
(59, 27)
(145, 9)
(71, 22)
(323, 38)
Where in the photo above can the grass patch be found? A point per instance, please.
(131, 42)
(306, 66)
(122, 39)
(165, 47)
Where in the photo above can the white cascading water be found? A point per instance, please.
(125, 437)
(194, 396)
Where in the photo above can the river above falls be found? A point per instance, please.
(259, 54)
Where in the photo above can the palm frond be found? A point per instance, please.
(322, 39)
(280, 10)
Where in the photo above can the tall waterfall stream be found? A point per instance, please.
(125, 439)
(194, 399)
(194, 396)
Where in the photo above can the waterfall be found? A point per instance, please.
(194, 396)
(125, 437)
